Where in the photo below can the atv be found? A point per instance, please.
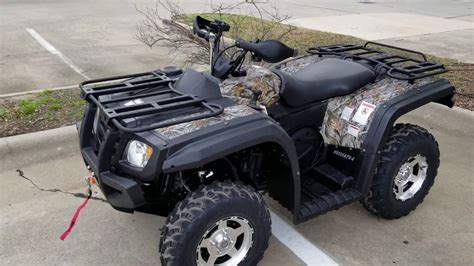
(315, 132)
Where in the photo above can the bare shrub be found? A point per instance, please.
(164, 25)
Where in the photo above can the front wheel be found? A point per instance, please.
(405, 173)
(222, 223)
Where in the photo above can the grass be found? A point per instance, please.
(44, 100)
(45, 110)
(3, 112)
(246, 27)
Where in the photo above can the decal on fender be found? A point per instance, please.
(363, 113)
(347, 113)
(353, 130)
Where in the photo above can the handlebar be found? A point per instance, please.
(203, 27)
(271, 51)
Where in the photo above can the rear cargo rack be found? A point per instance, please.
(149, 96)
(397, 66)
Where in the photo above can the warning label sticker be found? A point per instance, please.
(347, 113)
(353, 130)
(363, 113)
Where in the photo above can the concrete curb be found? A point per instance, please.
(16, 94)
(54, 143)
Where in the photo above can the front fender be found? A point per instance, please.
(225, 142)
(209, 144)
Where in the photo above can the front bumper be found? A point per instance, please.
(124, 194)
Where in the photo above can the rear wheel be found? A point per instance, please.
(406, 171)
(222, 223)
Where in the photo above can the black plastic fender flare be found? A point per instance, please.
(440, 91)
(220, 140)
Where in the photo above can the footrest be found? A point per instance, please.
(327, 202)
(335, 176)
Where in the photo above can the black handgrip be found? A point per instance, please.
(243, 44)
(200, 26)
(271, 51)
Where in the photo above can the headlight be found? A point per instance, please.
(138, 153)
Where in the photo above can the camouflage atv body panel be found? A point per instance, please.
(259, 78)
(230, 113)
(242, 89)
(348, 118)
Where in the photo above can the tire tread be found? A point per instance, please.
(402, 135)
(191, 208)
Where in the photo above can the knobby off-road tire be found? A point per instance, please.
(406, 145)
(198, 216)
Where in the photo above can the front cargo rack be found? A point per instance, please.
(397, 66)
(144, 101)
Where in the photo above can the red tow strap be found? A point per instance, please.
(74, 218)
(89, 180)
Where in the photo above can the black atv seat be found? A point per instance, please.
(325, 79)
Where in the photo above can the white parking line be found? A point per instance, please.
(46, 45)
(298, 244)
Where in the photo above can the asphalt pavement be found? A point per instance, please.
(98, 36)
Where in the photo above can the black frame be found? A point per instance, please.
(94, 90)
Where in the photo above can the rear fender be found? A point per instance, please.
(440, 91)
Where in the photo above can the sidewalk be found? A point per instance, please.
(449, 38)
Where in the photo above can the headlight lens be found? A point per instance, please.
(138, 153)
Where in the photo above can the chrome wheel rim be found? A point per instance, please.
(226, 242)
(410, 177)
